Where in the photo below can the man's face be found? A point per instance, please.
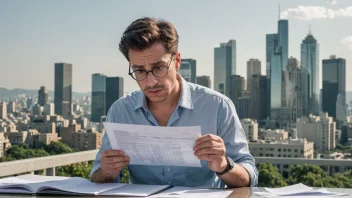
(157, 89)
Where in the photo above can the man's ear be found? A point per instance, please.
(178, 61)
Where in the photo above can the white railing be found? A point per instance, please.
(47, 163)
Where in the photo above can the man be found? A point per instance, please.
(166, 99)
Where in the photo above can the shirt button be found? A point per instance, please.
(168, 170)
(169, 182)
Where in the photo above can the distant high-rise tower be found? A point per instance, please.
(258, 97)
(310, 76)
(253, 68)
(11, 107)
(334, 89)
(114, 91)
(237, 84)
(283, 41)
(271, 45)
(224, 66)
(63, 89)
(204, 81)
(42, 96)
(29, 102)
(276, 61)
(188, 70)
(291, 95)
(3, 110)
(275, 84)
(98, 97)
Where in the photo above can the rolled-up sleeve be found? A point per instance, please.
(231, 131)
(105, 145)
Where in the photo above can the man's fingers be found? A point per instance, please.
(111, 160)
(210, 144)
(108, 153)
(212, 151)
(118, 165)
(207, 137)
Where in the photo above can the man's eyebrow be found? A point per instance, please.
(137, 66)
(158, 63)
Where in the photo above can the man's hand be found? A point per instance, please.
(211, 148)
(112, 162)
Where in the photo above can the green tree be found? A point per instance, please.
(75, 170)
(307, 174)
(23, 152)
(269, 176)
(55, 148)
(126, 176)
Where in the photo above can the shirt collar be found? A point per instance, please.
(185, 100)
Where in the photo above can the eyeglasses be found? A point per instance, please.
(142, 74)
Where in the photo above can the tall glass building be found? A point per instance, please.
(334, 89)
(98, 97)
(283, 41)
(113, 91)
(63, 89)
(310, 76)
(271, 43)
(188, 70)
(224, 66)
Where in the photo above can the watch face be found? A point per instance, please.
(230, 162)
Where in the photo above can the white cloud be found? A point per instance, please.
(347, 41)
(332, 2)
(315, 12)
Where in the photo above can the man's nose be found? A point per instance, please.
(151, 80)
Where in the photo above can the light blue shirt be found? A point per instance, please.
(198, 106)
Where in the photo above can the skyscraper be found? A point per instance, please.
(224, 66)
(3, 110)
(291, 107)
(334, 88)
(253, 68)
(188, 70)
(283, 41)
(29, 102)
(271, 45)
(98, 97)
(11, 107)
(204, 81)
(245, 107)
(258, 97)
(42, 96)
(275, 85)
(310, 76)
(237, 84)
(276, 61)
(113, 91)
(63, 89)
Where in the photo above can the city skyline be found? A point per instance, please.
(92, 35)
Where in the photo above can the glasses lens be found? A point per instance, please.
(139, 75)
(160, 71)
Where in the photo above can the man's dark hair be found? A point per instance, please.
(144, 32)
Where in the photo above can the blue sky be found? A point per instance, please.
(35, 34)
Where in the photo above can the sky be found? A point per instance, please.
(35, 34)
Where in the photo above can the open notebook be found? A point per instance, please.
(34, 184)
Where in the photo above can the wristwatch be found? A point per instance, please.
(229, 166)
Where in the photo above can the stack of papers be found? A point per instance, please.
(298, 190)
(191, 192)
(35, 184)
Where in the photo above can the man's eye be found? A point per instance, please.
(139, 71)
(159, 68)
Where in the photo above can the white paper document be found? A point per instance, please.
(298, 190)
(152, 145)
(192, 192)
